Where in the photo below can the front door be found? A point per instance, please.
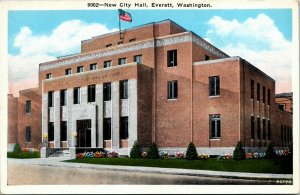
(83, 133)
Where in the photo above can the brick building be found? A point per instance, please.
(155, 83)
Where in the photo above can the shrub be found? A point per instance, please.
(99, 154)
(153, 152)
(270, 154)
(113, 154)
(179, 155)
(249, 155)
(203, 156)
(239, 152)
(17, 148)
(191, 152)
(136, 150)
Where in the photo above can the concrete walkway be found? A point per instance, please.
(57, 162)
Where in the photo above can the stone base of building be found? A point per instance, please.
(10, 147)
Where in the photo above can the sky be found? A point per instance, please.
(261, 36)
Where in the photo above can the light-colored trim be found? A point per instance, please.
(216, 61)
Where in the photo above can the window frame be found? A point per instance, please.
(107, 62)
(28, 106)
(68, 71)
(215, 122)
(252, 127)
(258, 121)
(93, 65)
(122, 61)
(215, 82)
(172, 58)
(80, 69)
(107, 129)
(172, 90)
(124, 89)
(91, 96)
(63, 97)
(106, 91)
(124, 134)
(51, 131)
(252, 84)
(50, 99)
(138, 58)
(258, 91)
(49, 76)
(78, 99)
(28, 134)
(63, 132)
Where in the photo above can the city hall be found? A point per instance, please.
(152, 83)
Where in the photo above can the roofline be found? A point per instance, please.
(27, 90)
(132, 28)
(216, 61)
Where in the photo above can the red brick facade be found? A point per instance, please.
(170, 123)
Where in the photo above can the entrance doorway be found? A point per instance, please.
(83, 133)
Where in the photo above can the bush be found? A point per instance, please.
(23, 155)
(270, 154)
(17, 148)
(239, 152)
(153, 152)
(191, 152)
(136, 150)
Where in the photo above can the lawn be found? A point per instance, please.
(283, 166)
(23, 155)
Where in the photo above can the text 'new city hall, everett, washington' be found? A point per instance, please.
(157, 83)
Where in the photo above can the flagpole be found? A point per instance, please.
(120, 27)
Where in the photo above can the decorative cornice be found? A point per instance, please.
(169, 40)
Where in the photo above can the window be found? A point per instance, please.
(106, 91)
(63, 97)
(48, 76)
(172, 90)
(264, 129)
(124, 89)
(50, 99)
(252, 127)
(206, 57)
(107, 64)
(269, 96)
(215, 126)
(124, 127)
(79, 69)
(28, 106)
(28, 134)
(51, 131)
(269, 130)
(107, 128)
(281, 106)
(214, 86)
(121, 42)
(76, 95)
(68, 71)
(91, 93)
(122, 61)
(63, 131)
(252, 89)
(264, 94)
(258, 127)
(172, 58)
(131, 40)
(108, 45)
(137, 59)
(93, 66)
(258, 91)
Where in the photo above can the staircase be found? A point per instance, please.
(61, 153)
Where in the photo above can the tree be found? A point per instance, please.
(191, 152)
(239, 152)
(153, 152)
(270, 154)
(136, 150)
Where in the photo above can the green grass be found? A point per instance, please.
(23, 155)
(283, 166)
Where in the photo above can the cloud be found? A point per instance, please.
(34, 49)
(259, 41)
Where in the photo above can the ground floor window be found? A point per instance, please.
(124, 127)
(107, 128)
(215, 126)
(258, 127)
(51, 131)
(252, 127)
(28, 134)
(63, 131)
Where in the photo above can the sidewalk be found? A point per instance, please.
(57, 162)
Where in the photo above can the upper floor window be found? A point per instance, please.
(79, 69)
(93, 66)
(258, 127)
(121, 42)
(206, 57)
(252, 127)
(252, 89)
(258, 91)
(137, 59)
(50, 99)
(131, 40)
(76, 95)
(91, 93)
(124, 89)
(107, 64)
(122, 61)
(172, 90)
(264, 94)
(28, 134)
(124, 127)
(48, 76)
(214, 86)
(63, 97)
(28, 106)
(68, 71)
(215, 126)
(281, 106)
(172, 58)
(269, 130)
(108, 45)
(269, 96)
(106, 91)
